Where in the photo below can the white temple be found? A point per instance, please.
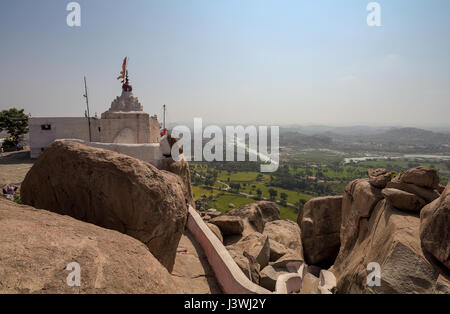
(124, 122)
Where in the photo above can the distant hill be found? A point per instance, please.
(301, 140)
(411, 136)
(405, 140)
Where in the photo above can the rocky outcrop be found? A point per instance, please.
(379, 177)
(255, 237)
(277, 250)
(229, 225)
(256, 215)
(290, 258)
(421, 176)
(285, 232)
(37, 245)
(216, 231)
(111, 190)
(320, 224)
(246, 263)
(374, 231)
(435, 227)
(180, 168)
(269, 276)
(251, 254)
(360, 198)
(256, 245)
(403, 200)
(442, 285)
(391, 239)
(427, 194)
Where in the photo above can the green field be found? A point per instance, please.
(319, 173)
(221, 201)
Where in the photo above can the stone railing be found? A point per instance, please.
(228, 274)
(292, 282)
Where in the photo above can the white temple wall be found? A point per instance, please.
(138, 123)
(146, 152)
(155, 127)
(78, 128)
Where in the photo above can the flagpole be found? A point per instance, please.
(87, 105)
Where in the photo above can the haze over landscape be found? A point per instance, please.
(271, 62)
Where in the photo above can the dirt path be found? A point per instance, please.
(14, 166)
(191, 271)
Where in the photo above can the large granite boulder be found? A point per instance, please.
(291, 258)
(442, 285)
(360, 198)
(256, 215)
(256, 245)
(285, 232)
(269, 275)
(421, 176)
(426, 194)
(216, 231)
(246, 262)
(320, 224)
(180, 168)
(373, 231)
(229, 225)
(403, 200)
(37, 245)
(285, 242)
(110, 190)
(435, 227)
(379, 177)
(277, 250)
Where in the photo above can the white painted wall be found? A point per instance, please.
(150, 153)
(60, 128)
(127, 128)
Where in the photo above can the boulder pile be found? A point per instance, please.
(401, 226)
(261, 244)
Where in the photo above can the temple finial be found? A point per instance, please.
(126, 87)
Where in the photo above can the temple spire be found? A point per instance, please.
(126, 87)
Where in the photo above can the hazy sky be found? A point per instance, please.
(241, 61)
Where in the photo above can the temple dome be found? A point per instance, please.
(125, 103)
